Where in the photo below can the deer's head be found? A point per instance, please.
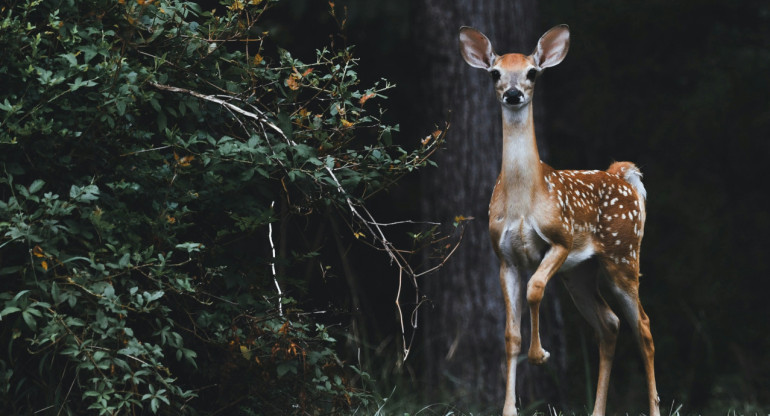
(514, 74)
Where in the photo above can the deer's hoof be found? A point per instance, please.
(538, 357)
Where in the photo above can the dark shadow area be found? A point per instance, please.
(679, 88)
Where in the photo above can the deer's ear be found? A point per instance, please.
(552, 47)
(476, 48)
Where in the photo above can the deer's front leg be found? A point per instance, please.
(552, 261)
(510, 280)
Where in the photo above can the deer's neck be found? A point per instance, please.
(521, 176)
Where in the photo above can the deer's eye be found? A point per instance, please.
(495, 75)
(532, 74)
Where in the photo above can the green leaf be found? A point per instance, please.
(6, 106)
(121, 105)
(36, 186)
(89, 51)
(20, 295)
(72, 59)
(286, 367)
(29, 319)
(190, 247)
(162, 121)
(8, 310)
(87, 193)
(124, 261)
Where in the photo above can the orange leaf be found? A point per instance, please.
(366, 97)
(44, 264)
(257, 59)
(307, 71)
(185, 161)
(292, 82)
(38, 252)
(346, 123)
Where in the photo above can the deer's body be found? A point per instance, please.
(597, 209)
(543, 220)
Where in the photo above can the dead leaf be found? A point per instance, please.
(293, 81)
(237, 5)
(183, 161)
(366, 97)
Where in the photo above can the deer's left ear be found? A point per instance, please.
(552, 47)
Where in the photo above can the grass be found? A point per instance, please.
(391, 407)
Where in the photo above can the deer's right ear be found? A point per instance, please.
(476, 48)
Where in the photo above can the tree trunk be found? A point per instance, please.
(464, 328)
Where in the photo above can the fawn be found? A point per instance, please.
(546, 220)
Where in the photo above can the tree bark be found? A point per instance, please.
(464, 328)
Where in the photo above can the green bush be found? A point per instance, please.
(147, 149)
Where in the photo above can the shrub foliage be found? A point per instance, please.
(148, 148)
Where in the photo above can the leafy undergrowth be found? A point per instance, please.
(148, 150)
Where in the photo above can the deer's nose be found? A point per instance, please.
(513, 96)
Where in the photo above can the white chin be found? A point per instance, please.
(517, 105)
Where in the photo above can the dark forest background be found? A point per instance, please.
(681, 88)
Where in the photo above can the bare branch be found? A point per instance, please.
(259, 117)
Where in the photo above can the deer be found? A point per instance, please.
(587, 223)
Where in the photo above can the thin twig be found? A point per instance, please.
(388, 224)
(145, 150)
(272, 265)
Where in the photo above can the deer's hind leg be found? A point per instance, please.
(582, 285)
(624, 282)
